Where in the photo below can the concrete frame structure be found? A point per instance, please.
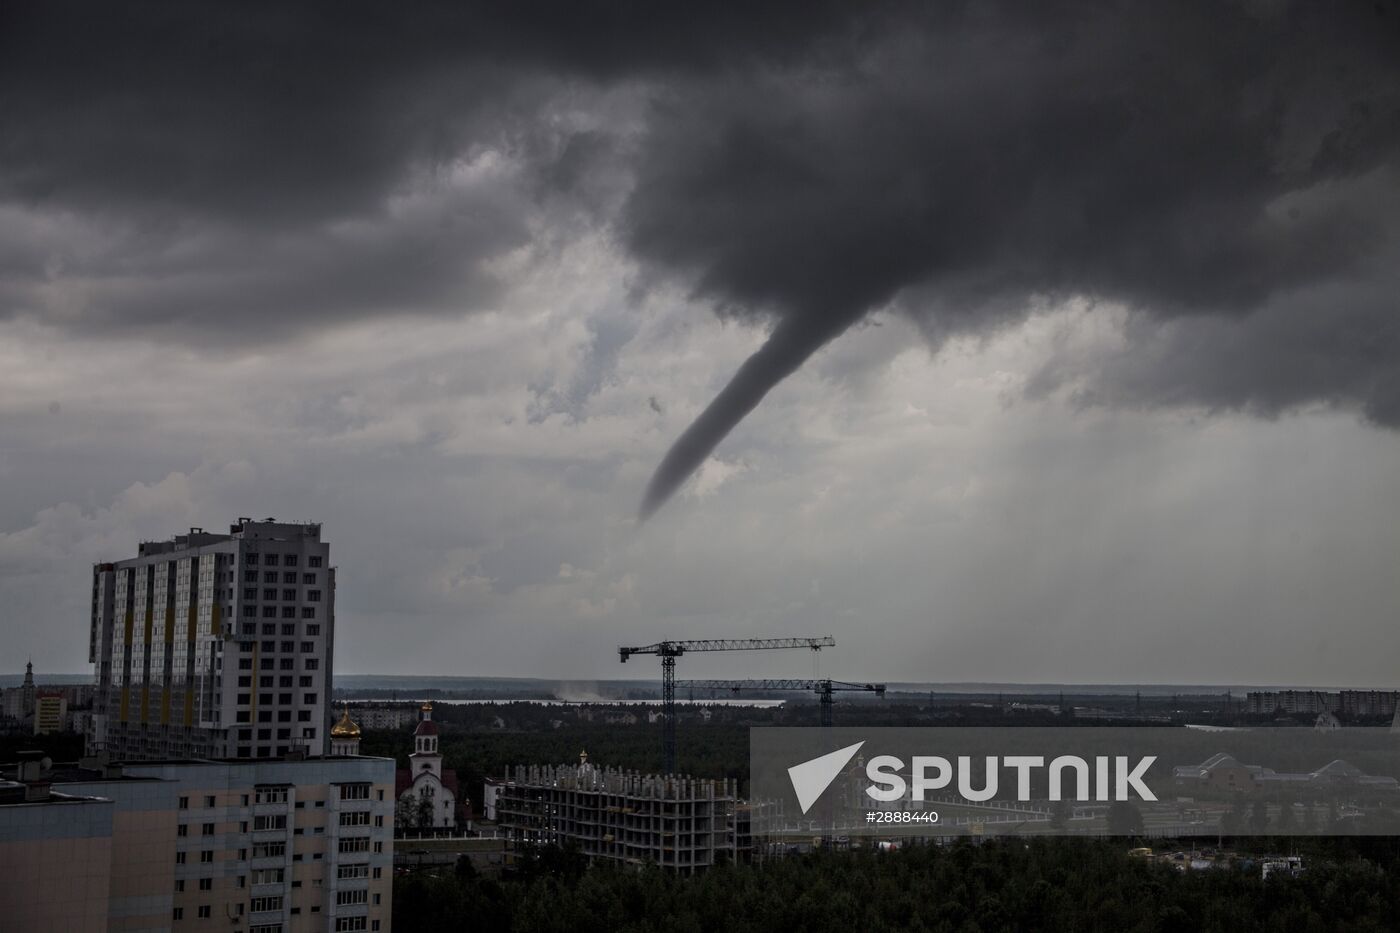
(214, 645)
(253, 846)
(680, 823)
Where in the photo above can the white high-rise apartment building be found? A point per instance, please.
(215, 646)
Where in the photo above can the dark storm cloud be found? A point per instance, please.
(233, 168)
(1228, 168)
(1184, 159)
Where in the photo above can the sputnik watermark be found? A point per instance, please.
(1113, 779)
(884, 771)
(1071, 780)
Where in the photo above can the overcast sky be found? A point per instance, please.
(1052, 346)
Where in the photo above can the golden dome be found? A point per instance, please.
(346, 728)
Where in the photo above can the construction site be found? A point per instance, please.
(679, 822)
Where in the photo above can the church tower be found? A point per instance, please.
(27, 691)
(426, 756)
(345, 735)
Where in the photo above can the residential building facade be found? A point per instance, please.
(268, 846)
(215, 645)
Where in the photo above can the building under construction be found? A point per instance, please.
(680, 823)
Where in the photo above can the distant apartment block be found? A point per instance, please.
(50, 713)
(386, 717)
(680, 823)
(215, 645)
(1350, 703)
(266, 846)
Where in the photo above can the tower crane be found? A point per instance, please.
(668, 651)
(823, 688)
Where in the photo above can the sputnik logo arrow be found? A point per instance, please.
(811, 778)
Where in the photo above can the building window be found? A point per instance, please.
(354, 792)
(309, 579)
(312, 664)
(179, 913)
(261, 904)
(182, 830)
(250, 592)
(354, 844)
(250, 576)
(350, 924)
(269, 594)
(313, 595)
(288, 629)
(208, 829)
(269, 612)
(179, 858)
(209, 801)
(270, 850)
(306, 681)
(204, 911)
(304, 715)
(179, 885)
(269, 560)
(206, 884)
(309, 699)
(207, 855)
(269, 875)
(314, 560)
(289, 612)
(271, 821)
(354, 818)
(313, 630)
(289, 560)
(270, 795)
(351, 897)
(308, 612)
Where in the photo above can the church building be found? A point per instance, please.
(428, 793)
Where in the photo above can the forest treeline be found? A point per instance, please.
(1035, 885)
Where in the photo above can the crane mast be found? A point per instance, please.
(668, 651)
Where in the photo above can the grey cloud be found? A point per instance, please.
(1191, 159)
(235, 176)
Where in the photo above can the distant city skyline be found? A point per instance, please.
(1049, 343)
